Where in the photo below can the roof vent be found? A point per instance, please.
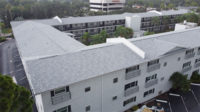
(130, 45)
(57, 18)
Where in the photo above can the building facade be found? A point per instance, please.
(106, 5)
(66, 76)
(95, 24)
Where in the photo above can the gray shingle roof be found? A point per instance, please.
(73, 67)
(54, 72)
(35, 40)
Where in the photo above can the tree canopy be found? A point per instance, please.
(14, 98)
(32, 9)
(85, 38)
(124, 32)
(99, 38)
(179, 81)
(195, 78)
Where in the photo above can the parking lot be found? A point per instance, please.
(183, 101)
(11, 64)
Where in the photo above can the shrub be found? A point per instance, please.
(195, 78)
(134, 108)
(148, 33)
(2, 39)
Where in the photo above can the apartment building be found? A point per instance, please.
(95, 24)
(67, 76)
(106, 5)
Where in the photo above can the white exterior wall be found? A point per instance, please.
(179, 27)
(133, 22)
(107, 2)
(103, 88)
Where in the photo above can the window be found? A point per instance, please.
(87, 108)
(165, 64)
(197, 60)
(115, 80)
(153, 62)
(87, 89)
(179, 58)
(151, 91)
(126, 102)
(151, 78)
(185, 65)
(132, 68)
(64, 109)
(130, 85)
(162, 78)
(114, 98)
(189, 51)
(59, 91)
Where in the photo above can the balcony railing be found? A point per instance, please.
(132, 74)
(153, 67)
(186, 69)
(131, 91)
(151, 83)
(60, 98)
(197, 64)
(187, 56)
(198, 53)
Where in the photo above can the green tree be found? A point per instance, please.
(85, 38)
(191, 17)
(156, 20)
(162, 6)
(170, 6)
(96, 39)
(99, 38)
(180, 82)
(2, 39)
(124, 32)
(179, 19)
(14, 98)
(195, 78)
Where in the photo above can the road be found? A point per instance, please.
(11, 64)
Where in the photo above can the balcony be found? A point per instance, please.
(197, 64)
(93, 25)
(198, 53)
(132, 74)
(131, 91)
(77, 27)
(151, 83)
(187, 56)
(60, 98)
(186, 69)
(153, 67)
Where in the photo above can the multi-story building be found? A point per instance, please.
(95, 24)
(67, 76)
(106, 5)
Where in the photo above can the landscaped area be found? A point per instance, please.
(121, 31)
